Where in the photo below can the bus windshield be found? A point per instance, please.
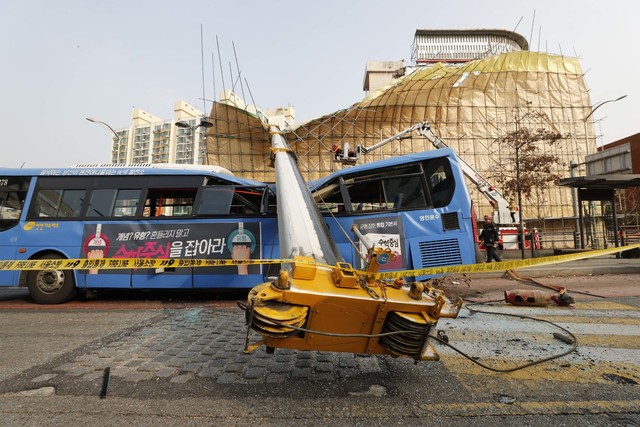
(13, 191)
(422, 185)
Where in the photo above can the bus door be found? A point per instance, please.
(168, 232)
(159, 243)
(13, 192)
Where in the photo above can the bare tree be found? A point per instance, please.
(524, 167)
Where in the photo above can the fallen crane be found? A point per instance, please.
(319, 302)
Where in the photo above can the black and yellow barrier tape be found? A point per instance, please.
(135, 263)
(127, 263)
(505, 265)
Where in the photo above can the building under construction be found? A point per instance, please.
(470, 98)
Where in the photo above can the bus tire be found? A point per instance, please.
(51, 286)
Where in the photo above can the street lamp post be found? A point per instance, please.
(574, 165)
(517, 146)
(185, 125)
(593, 110)
(117, 137)
(519, 191)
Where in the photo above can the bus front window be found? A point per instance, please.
(10, 205)
(12, 194)
(11, 201)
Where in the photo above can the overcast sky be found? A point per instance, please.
(65, 60)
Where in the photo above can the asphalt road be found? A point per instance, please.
(177, 359)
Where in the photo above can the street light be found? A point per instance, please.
(110, 128)
(104, 124)
(577, 210)
(185, 125)
(593, 110)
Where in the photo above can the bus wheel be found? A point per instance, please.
(51, 286)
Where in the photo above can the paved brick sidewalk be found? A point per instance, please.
(202, 343)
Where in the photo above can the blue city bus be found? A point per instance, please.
(134, 211)
(415, 205)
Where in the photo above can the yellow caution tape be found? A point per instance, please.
(126, 263)
(505, 265)
(134, 263)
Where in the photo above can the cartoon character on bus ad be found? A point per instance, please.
(96, 246)
(241, 244)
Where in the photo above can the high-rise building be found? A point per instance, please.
(151, 139)
(182, 139)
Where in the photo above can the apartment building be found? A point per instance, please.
(151, 139)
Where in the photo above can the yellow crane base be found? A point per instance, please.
(311, 311)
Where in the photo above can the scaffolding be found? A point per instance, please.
(470, 106)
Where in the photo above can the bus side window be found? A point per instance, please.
(441, 182)
(405, 192)
(383, 189)
(367, 196)
(126, 203)
(246, 201)
(169, 202)
(101, 203)
(71, 203)
(330, 198)
(50, 203)
(268, 202)
(215, 200)
(46, 204)
(114, 203)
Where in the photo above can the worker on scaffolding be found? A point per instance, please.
(339, 154)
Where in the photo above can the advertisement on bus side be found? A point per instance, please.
(385, 233)
(231, 240)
